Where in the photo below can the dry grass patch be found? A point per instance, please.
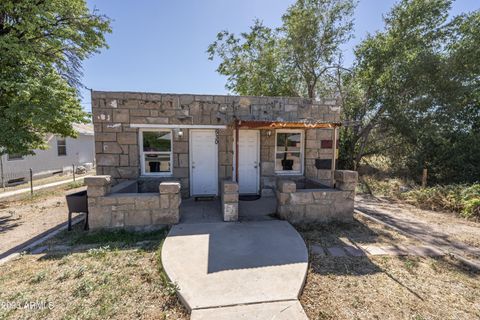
(115, 281)
(385, 287)
(361, 231)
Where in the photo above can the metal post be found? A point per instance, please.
(31, 181)
(334, 157)
(236, 150)
(1, 172)
(73, 167)
(424, 178)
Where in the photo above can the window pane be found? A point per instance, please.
(289, 141)
(157, 163)
(288, 161)
(61, 147)
(62, 151)
(14, 156)
(157, 141)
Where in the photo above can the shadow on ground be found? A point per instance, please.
(242, 245)
(340, 234)
(420, 229)
(8, 223)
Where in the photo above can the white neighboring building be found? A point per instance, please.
(61, 154)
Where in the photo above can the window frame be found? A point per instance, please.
(302, 152)
(64, 145)
(21, 157)
(142, 153)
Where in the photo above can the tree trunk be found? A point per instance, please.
(311, 91)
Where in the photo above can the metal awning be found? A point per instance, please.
(281, 124)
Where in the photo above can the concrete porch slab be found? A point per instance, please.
(283, 310)
(261, 209)
(228, 264)
(193, 211)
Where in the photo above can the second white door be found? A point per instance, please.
(248, 158)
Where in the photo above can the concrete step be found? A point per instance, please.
(282, 310)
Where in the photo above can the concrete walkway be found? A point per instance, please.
(237, 270)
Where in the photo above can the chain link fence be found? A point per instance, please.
(31, 177)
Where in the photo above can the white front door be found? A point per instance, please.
(248, 158)
(203, 163)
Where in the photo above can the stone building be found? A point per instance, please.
(198, 140)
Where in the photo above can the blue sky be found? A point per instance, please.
(160, 46)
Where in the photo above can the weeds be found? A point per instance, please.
(462, 199)
(39, 277)
(459, 198)
(98, 252)
(124, 236)
(83, 289)
(74, 185)
(170, 287)
(410, 264)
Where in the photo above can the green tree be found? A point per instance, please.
(42, 45)
(291, 60)
(414, 91)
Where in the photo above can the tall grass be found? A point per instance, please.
(463, 199)
(459, 198)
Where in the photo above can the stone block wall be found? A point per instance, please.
(317, 205)
(314, 150)
(229, 192)
(139, 211)
(116, 141)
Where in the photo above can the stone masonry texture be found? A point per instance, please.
(129, 209)
(317, 205)
(116, 142)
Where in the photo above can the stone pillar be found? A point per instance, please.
(170, 200)
(346, 180)
(284, 189)
(229, 200)
(98, 187)
(286, 186)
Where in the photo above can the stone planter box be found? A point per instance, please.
(122, 206)
(317, 205)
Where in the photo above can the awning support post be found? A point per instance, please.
(236, 150)
(334, 157)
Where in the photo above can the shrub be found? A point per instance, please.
(462, 199)
(459, 198)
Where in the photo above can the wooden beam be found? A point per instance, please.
(259, 124)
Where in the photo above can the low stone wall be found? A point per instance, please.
(122, 207)
(318, 205)
(229, 200)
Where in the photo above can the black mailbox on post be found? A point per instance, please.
(77, 202)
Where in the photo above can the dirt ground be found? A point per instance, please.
(120, 280)
(23, 219)
(384, 287)
(360, 232)
(443, 228)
